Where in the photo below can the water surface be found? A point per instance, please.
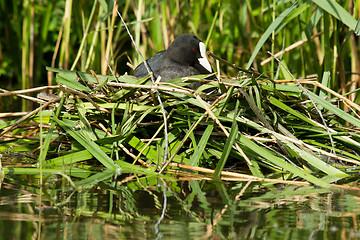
(136, 207)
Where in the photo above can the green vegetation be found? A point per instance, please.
(279, 121)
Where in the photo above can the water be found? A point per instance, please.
(134, 208)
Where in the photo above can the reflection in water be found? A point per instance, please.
(151, 208)
(156, 226)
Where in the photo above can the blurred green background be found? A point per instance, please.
(318, 38)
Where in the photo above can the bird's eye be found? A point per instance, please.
(194, 49)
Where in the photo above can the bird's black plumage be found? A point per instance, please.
(186, 56)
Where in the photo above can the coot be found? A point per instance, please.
(186, 56)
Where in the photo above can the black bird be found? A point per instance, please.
(186, 56)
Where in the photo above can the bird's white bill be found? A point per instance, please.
(203, 60)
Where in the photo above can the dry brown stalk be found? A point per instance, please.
(233, 176)
(28, 115)
(30, 90)
(291, 47)
(152, 87)
(15, 114)
(346, 100)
